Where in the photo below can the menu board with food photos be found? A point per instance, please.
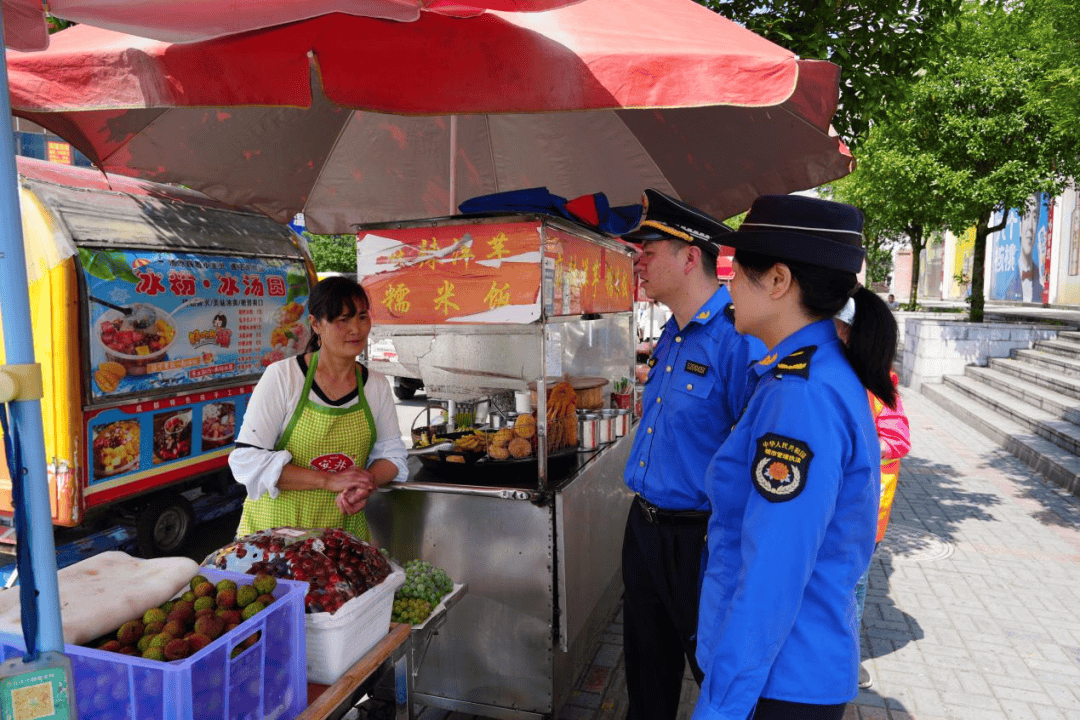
(160, 320)
(132, 441)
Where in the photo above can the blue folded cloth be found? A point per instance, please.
(590, 210)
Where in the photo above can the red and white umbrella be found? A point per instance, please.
(353, 120)
(192, 20)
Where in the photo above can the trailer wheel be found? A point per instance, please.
(405, 388)
(164, 525)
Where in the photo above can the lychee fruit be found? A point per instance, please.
(130, 632)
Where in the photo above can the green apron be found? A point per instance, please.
(322, 438)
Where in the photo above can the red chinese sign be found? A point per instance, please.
(489, 273)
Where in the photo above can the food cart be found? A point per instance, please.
(154, 310)
(479, 306)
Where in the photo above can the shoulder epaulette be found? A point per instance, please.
(797, 363)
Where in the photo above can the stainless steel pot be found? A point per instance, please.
(588, 429)
(606, 431)
(622, 422)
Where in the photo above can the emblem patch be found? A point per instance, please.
(781, 465)
(651, 362)
(696, 368)
(797, 363)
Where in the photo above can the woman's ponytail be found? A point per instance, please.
(871, 345)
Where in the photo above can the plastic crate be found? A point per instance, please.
(336, 641)
(267, 681)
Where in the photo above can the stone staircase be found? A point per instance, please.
(1029, 403)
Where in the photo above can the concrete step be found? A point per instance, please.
(1062, 433)
(1044, 457)
(1062, 384)
(1062, 347)
(1069, 335)
(1051, 401)
(1056, 363)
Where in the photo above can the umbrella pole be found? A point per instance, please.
(19, 349)
(453, 164)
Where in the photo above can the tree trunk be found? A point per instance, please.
(978, 268)
(915, 234)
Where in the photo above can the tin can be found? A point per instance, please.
(588, 429)
(607, 426)
(622, 422)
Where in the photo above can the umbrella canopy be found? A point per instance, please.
(191, 20)
(353, 120)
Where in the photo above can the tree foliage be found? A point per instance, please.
(332, 253)
(879, 45)
(974, 136)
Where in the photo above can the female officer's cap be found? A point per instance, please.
(802, 229)
(665, 218)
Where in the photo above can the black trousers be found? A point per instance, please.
(661, 578)
(784, 710)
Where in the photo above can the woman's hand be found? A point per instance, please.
(353, 487)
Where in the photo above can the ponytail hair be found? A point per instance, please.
(871, 345)
(824, 291)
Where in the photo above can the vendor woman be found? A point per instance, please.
(320, 433)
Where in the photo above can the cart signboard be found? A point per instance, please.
(489, 273)
(159, 320)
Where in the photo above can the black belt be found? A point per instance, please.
(659, 516)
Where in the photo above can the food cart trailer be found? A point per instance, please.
(482, 305)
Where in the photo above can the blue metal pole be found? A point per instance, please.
(19, 349)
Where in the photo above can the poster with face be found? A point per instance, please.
(1017, 248)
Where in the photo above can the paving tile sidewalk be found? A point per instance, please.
(973, 610)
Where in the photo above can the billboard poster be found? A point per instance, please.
(1068, 288)
(1017, 269)
(159, 320)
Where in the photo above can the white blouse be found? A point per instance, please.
(271, 407)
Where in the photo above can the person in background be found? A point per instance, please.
(320, 433)
(895, 440)
(794, 489)
(693, 394)
(893, 304)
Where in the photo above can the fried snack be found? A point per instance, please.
(519, 447)
(477, 442)
(501, 438)
(571, 431)
(455, 458)
(498, 452)
(525, 426)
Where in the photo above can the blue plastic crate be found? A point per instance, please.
(267, 681)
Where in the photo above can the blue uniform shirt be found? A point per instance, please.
(794, 494)
(695, 390)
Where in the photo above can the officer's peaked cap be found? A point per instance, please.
(665, 218)
(802, 229)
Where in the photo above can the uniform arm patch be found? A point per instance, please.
(781, 465)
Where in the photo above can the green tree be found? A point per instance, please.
(332, 253)
(879, 44)
(975, 137)
(898, 190)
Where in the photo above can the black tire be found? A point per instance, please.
(164, 525)
(405, 388)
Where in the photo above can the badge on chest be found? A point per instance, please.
(780, 468)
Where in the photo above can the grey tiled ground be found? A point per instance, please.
(973, 611)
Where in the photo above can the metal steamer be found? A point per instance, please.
(541, 554)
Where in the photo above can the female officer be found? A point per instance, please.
(320, 433)
(794, 488)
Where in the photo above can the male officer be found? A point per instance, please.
(693, 396)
